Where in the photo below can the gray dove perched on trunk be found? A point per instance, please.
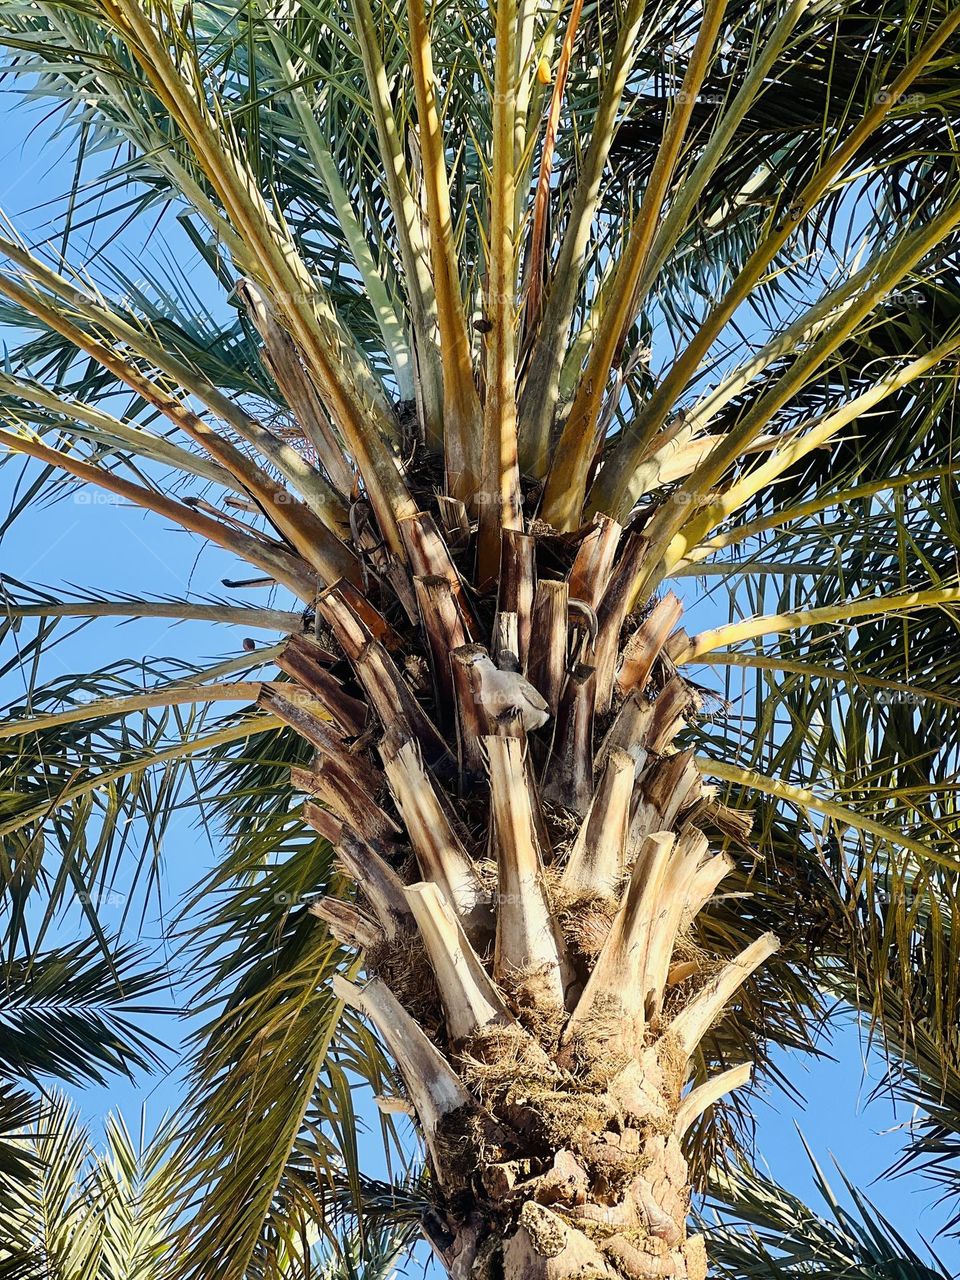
(506, 695)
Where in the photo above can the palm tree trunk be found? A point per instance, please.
(524, 900)
(605, 1191)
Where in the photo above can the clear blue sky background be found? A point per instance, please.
(108, 547)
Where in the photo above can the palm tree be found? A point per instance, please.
(110, 1215)
(538, 311)
(106, 1216)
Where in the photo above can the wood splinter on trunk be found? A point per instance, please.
(568, 777)
(314, 722)
(440, 852)
(674, 891)
(705, 1095)
(470, 1000)
(353, 619)
(391, 697)
(348, 924)
(429, 557)
(611, 1008)
(693, 1022)
(336, 786)
(643, 648)
(455, 521)
(611, 612)
(516, 594)
(546, 668)
(301, 660)
(593, 563)
(530, 956)
(381, 885)
(506, 641)
(444, 629)
(435, 1089)
(596, 861)
(471, 720)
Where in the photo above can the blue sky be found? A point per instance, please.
(105, 546)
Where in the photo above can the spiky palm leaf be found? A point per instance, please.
(87, 1216)
(69, 1013)
(762, 1230)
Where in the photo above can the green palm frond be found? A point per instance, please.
(83, 1215)
(54, 1229)
(72, 1013)
(134, 1180)
(759, 1229)
(258, 1168)
(375, 1257)
(902, 975)
(19, 1116)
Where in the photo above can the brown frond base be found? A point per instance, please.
(529, 861)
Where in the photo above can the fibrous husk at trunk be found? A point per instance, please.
(525, 900)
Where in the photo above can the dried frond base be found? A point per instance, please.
(585, 919)
(568, 820)
(404, 967)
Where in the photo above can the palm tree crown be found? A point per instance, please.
(533, 312)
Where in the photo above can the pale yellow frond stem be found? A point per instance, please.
(681, 452)
(353, 396)
(162, 154)
(723, 505)
(682, 204)
(538, 401)
(230, 615)
(688, 192)
(245, 662)
(534, 89)
(411, 234)
(804, 799)
(93, 424)
(739, 567)
(374, 284)
(461, 402)
(779, 623)
(537, 263)
(527, 14)
(278, 564)
(240, 691)
(760, 662)
(582, 342)
(675, 529)
(803, 331)
(500, 499)
(609, 492)
(309, 537)
(233, 733)
(321, 498)
(792, 515)
(567, 478)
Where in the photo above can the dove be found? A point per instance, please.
(506, 695)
